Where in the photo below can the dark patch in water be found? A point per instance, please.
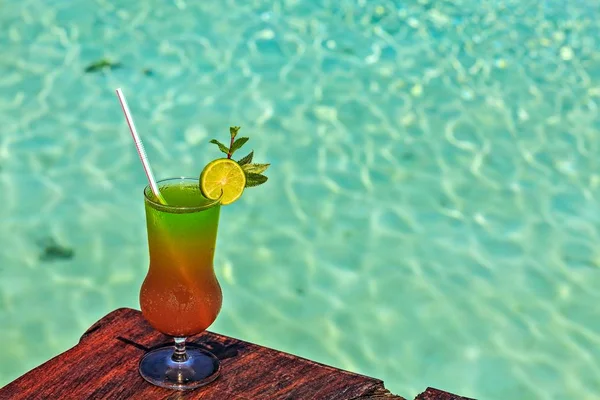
(102, 65)
(53, 251)
(408, 156)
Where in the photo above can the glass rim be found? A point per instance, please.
(166, 207)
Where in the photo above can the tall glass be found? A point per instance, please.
(180, 296)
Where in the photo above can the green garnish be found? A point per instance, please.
(253, 172)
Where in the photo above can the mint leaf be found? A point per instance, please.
(239, 142)
(255, 168)
(255, 179)
(253, 172)
(233, 131)
(247, 159)
(222, 147)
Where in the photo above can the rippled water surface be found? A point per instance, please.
(432, 215)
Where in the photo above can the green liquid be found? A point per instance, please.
(184, 194)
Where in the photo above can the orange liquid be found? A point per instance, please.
(181, 295)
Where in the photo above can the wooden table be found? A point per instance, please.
(104, 365)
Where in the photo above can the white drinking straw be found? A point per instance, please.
(140, 147)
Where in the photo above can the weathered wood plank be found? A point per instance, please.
(436, 394)
(104, 366)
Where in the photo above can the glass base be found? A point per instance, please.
(201, 368)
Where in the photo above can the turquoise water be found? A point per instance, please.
(433, 210)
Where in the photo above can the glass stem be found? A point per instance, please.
(179, 355)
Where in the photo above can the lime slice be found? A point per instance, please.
(223, 174)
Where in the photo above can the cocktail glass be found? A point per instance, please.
(180, 296)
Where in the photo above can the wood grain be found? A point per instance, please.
(436, 394)
(104, 365)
